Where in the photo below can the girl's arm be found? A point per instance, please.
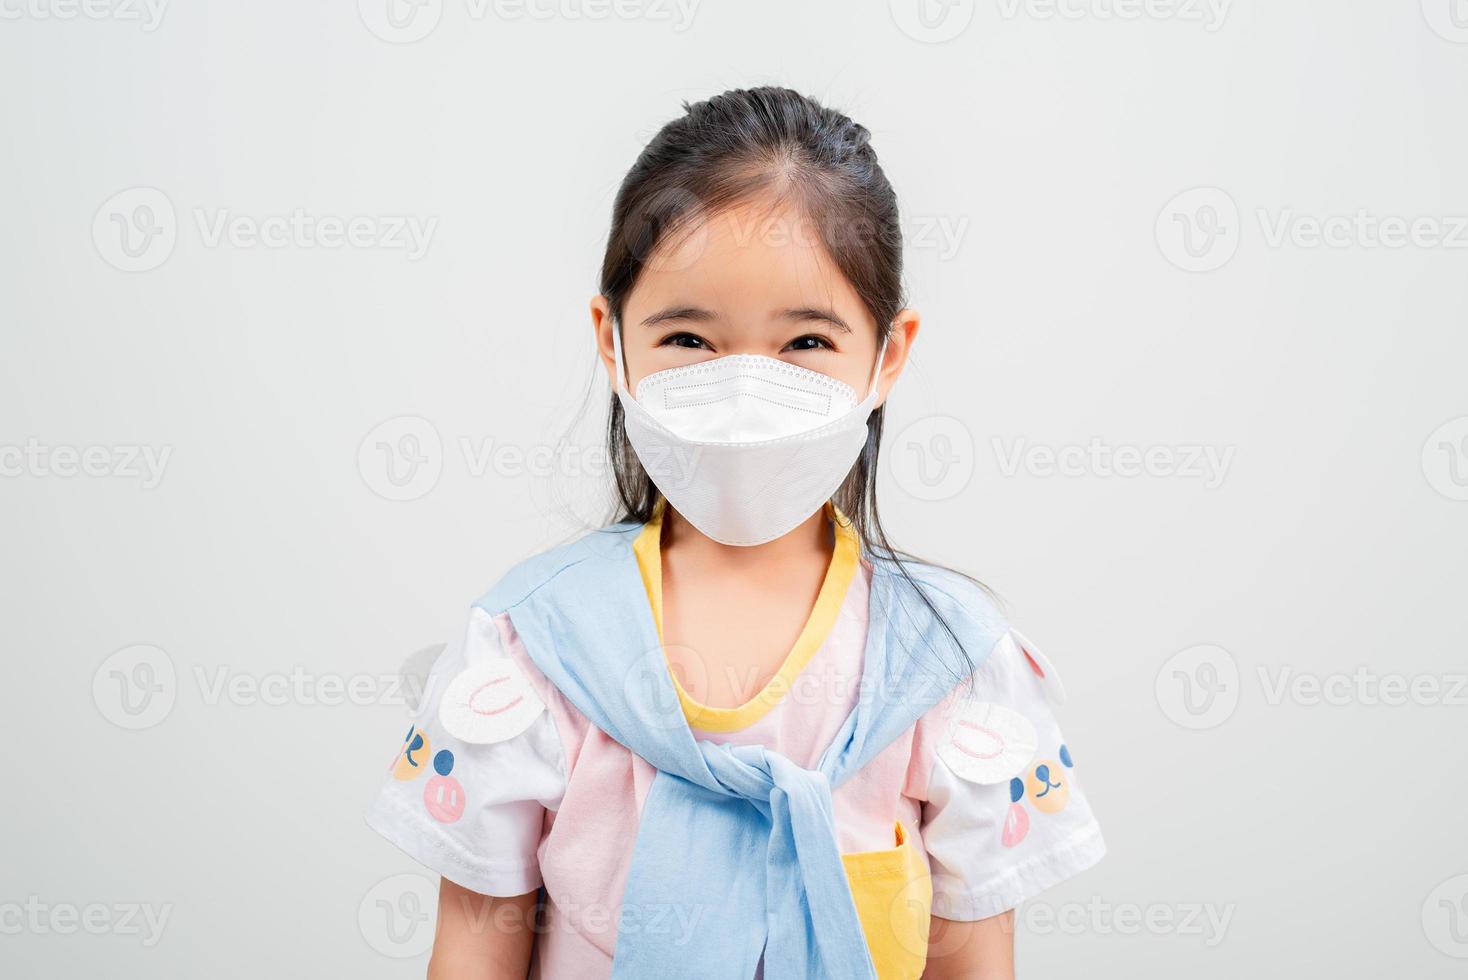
(480, 937)
(980, 950)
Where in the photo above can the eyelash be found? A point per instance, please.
(671, 340)
(675, 340)
(823, 343)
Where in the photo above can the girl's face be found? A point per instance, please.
(750, 280)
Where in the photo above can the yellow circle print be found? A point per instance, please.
(1048, 786)
(412, 760)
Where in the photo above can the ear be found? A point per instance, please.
(602, 326)
(899, 345)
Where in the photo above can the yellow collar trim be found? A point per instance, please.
(648, 551)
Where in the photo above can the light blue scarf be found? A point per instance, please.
(736, 844)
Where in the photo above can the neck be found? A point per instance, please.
(811, 535)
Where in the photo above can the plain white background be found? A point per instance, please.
(1190, 394)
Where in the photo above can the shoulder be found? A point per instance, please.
(931, 597)
(986, 731)
(535, 572)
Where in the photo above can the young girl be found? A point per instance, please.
(736, 734)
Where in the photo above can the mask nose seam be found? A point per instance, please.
(823, 412)
(672, 375)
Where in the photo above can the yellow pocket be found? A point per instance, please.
(894, 898)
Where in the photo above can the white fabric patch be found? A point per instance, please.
(489, 702)
(988, 743)
(1040, 665)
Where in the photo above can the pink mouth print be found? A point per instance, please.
(489, 702)
(444, 795)
(474, 704)
(989, 743)
(988, 738)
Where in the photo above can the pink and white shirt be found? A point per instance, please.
(972, 810)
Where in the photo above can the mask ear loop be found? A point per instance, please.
(619, 383)
(877, 368)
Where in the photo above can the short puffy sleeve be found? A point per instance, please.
(468, 787)
(1004, 816)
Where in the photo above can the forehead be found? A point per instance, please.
(748, 259)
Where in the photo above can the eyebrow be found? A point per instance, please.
(695, 313)
(698, 314)
(816, 313)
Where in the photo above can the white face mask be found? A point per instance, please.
(745, 447)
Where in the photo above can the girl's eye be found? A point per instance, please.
(810, 341)
(691, 341)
